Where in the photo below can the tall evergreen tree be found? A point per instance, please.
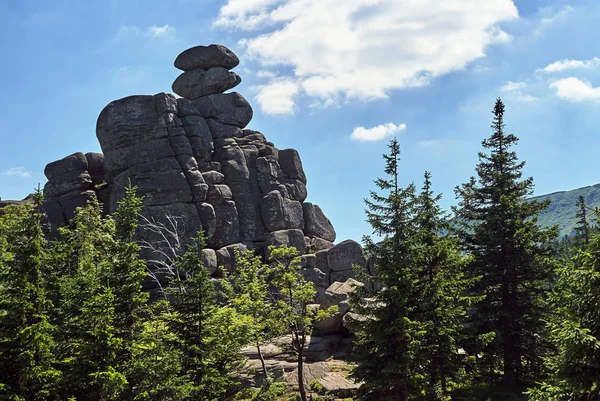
(389, 336)
(128, 272)
(500, 230)
(27, 344)
(89, 346)
(209, 337)
(409, 336)
(582, 230)
(444, 298)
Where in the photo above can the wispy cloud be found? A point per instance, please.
(511, 86)
(340, 50)
(514, 90)
(566, 64)
(575, 90)
(161, 31)
(277, 97)
(16, 171)
(127, 32)
(551, 16)
(377, 133)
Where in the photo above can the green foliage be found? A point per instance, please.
(89, 344)
(157, 361)
(409, 331)
(247, 290)
(563, 208)
(574, 330)
(269, 392)
(316, 386)
(293, 296)
(209, 337)
(501, 232)
(26, 334)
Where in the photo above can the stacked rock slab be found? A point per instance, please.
(72, 182)
(193, 158)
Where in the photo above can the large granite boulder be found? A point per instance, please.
(193, 160)
(206, 57)
(316, 223)
(225, 108)
(280, 213)
(197, 83)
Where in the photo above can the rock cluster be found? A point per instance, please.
(193, 157)
(72, 182)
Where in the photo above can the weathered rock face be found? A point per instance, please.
(191, 157)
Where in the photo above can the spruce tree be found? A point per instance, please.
(409, 332)
(582, 230)
(574, 327)
(444, 297)
(208, 336)
(499, 229)
(27, 345)
(89, 344)
(389, 334)
(128, 273)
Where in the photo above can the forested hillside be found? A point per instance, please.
(563, 207)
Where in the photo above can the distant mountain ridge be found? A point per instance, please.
(563, 207)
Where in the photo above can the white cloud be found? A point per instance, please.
(161, 31)
(344, 49)
(244, 14)
(550, 16)
(575, 90)
(17, 171)
(132, 31)
(514, 91)
(266, 74)
(277, 97)
(513, 86)
(563, 65)
(377, 133)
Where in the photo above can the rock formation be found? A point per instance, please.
(193, 157)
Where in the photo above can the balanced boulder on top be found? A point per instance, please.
(192, 158)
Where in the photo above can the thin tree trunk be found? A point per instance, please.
(262, 362)
(505, 329)
(301, 374)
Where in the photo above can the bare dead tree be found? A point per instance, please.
(164, 244)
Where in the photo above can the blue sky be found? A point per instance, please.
(331, 78)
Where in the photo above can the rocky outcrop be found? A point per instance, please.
(193, 157)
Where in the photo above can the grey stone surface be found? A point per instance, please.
(209, 259)
(316, 223)
(73, 162)
(319, 244)
(95, 168)
(223, 131)
(185, 108)
(219, 193)
(208, 218)
(345, 254)
(199, 82)
(290, 162)
(213, 177)
(227, 229)
(77, 180)
(206, 57)
(227, 108)
(291, 238)
(280, 213)
(199, 137)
